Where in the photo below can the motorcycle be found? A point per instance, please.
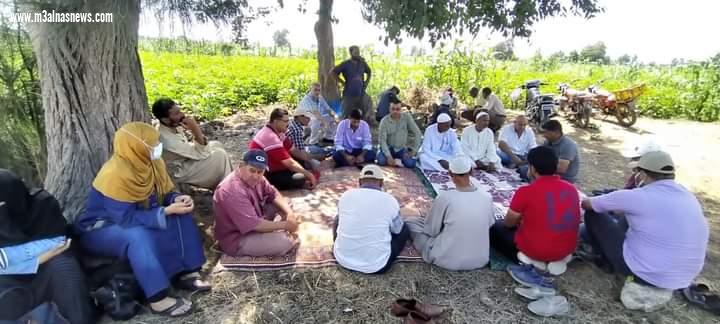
(579, 102)
(620, 104)
(538, 107)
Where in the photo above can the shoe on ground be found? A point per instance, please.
(403, 307)
(528, 276)
(535, 293)
(550, 306)
(416, 317)
(635, 296)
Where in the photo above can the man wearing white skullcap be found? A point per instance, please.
(440, 145)
(478, 143)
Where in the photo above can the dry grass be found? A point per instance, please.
(333, 295)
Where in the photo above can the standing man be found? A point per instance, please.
(478, 143)
(284, 172)
(399, 137)
(440, 145)
(383, 107)
(353, 142)
(459, 218)
(565, 148)
(515, 142)
(495, 108)
(356, 77)
(199, 163)
(369, 233)
(246, 206)
(323, 123)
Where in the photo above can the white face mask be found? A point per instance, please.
(156, 153)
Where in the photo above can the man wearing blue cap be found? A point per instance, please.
(246, 207)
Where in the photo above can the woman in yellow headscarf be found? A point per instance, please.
(133, 214)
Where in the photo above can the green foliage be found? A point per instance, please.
(438, 19)
(595, 53)
(217, 85)
(22, 136)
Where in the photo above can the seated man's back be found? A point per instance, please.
(462, 220)
(365, 220)
(550, 209)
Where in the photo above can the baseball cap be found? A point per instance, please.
(302, 112)
(256, 158)
(443, 118)
(658, 162)
(446, 100)
(460, 165)
(371, 171)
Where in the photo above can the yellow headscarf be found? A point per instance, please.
(130, 175)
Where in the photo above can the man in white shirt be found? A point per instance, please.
(478, 143)
(515, 142)
(495, 108)
(440, 144)
(369, 233)
(455, 235)
(322, 124)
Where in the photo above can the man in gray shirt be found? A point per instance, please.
(565, 148)
(455, 235)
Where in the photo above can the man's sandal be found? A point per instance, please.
(169, 312)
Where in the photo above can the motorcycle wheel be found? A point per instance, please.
(626, 114)
(583, 117)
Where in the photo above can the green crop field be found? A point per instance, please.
(217, 80)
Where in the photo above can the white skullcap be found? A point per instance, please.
(480, 114)
(460, 165)
(443, 118)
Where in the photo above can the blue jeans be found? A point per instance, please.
(408, 162)
(340, 160)
(505, 158)
(319, 150)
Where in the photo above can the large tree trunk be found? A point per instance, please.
(326, 51)
(91, 83)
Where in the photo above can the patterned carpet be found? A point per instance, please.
(317, 210)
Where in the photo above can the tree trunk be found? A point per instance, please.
(326, 51)
(91, 83)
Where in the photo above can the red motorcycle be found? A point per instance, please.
(620, 103)
(579, 102)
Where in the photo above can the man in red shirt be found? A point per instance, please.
(542, 222)
(284, 171)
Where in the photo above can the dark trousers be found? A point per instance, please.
(283, 180)
(340, 161)
(606, 233)
(502, 239)
(59, 280)
(397, 244)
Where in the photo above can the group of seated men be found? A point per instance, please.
(632, 232)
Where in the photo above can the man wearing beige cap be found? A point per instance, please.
(369, 233)
(662, 239)
(455, 235)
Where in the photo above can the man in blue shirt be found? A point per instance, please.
(355, 82)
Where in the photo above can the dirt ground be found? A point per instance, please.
(333, 295)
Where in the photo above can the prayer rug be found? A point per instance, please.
(317, 210)
(501, 185)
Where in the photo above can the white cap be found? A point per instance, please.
(443, 118)
(460, 165)
(303, 112)
(371, 171)
(480, 114)
(644, 145)
(446, 99)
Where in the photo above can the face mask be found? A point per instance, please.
(156, 153)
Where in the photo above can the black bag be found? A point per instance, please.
(118, 296)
